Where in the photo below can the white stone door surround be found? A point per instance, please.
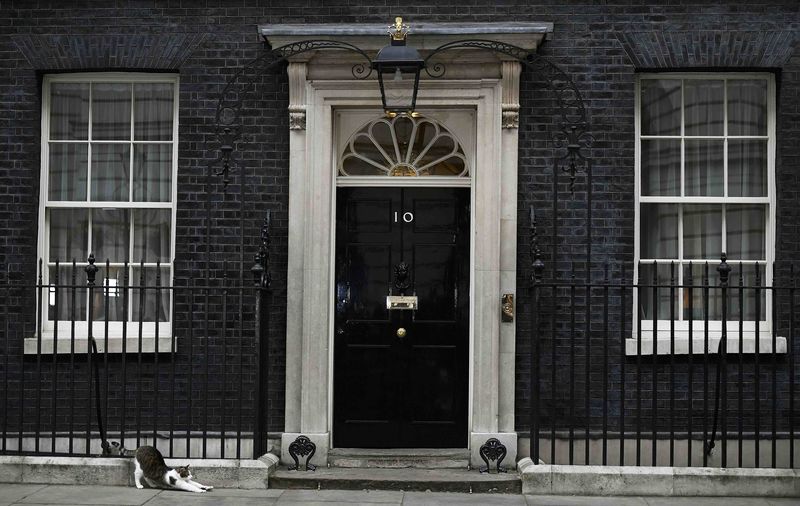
(319, 84)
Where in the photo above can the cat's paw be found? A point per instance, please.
(139, 486)
(208, 487)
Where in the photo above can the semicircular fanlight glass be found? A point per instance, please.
(403, 146)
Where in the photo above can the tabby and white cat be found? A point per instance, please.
(150, 465)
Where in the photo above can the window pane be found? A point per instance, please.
(69, 111)
(747, 168)
(110, 174)
(155, 300)
(702, 231)
(111, 111)
(659, 231)
(661, 107)
(152, 111)
(62, 300)
(704, 110)
(746, 231)
(109, 296)
(699, 302)
(151, 235)
(661, 167)
(748, 293)
(110, 234)
(705, 169)
(665, 277)
(69, 235)
(68, 169)
(747, 107)
(152, 173)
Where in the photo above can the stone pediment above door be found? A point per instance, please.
(460, 64)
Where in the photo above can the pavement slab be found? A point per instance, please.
(351, 496)
(208, 499)
(707, 501)
(228, 493)
(90, 495)
(429, 498)
(13, 492)
(552, 500)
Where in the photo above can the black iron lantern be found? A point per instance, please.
(398, 69)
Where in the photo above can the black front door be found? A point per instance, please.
(395, 389)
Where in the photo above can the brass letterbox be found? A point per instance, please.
(394, 302)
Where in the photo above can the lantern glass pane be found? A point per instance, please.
(398, 88)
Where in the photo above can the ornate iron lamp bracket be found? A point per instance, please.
(572, 139)
(242, 87)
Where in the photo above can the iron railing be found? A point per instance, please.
(673, 369)
(181, 366)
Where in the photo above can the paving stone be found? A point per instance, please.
(707, 501)
(551, 500)
(331, 503)
(208, 499)
(12, 492)
(372, 496)
(783, 501)
(229, 492)
(424, 498)
(93, 494)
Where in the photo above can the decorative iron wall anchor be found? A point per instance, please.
(493, 450)
(303, 447)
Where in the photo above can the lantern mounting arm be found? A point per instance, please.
(572, 139)
(241, 87)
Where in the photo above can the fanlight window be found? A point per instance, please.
(403, 146)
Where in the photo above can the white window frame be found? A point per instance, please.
(664, 333)
(115, 328)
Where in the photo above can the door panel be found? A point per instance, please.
(408, 391)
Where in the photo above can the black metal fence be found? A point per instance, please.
(92, 363)
(688, 365)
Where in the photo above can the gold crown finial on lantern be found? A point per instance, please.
(398, 31)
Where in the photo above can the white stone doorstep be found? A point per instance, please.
(657, 481)
(223, 473)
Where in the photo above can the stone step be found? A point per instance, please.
(435, 480)
(419, 458)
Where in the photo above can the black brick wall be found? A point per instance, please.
(601, 44)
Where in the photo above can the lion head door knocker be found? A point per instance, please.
(493, 450)
(401, 281)
(303, 447)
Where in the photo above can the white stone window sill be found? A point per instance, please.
(681, 344)
(165, 342)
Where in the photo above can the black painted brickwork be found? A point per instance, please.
(601, 44)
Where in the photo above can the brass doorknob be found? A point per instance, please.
(401, 332)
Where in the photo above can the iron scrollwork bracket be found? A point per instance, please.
(572, 138)
(260, 269)
(493, 450)
(241, 88)
(303, 447)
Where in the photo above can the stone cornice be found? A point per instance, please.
(424, 36)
